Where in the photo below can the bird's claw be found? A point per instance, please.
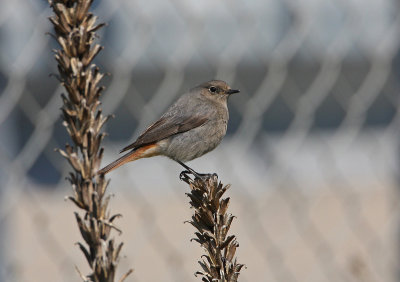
(202, 176)
(184, 175)
(205, 176)
(214, 175)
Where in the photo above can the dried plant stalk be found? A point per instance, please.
(75, 29)
(212, 223)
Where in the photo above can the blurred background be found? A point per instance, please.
(311, 150)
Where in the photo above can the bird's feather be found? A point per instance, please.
(165, 127)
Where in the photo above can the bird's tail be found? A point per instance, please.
(142, 152)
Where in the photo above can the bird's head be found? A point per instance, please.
(217, 90)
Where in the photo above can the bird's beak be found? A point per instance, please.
(232, 91)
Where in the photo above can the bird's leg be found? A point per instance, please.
(188, 170)
(202, 176)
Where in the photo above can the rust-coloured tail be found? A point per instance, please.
(142, 152)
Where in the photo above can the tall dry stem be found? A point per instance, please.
(75, 29)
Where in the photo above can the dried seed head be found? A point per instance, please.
(212, 223)
(75, 29)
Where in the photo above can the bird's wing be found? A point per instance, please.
(166, 127)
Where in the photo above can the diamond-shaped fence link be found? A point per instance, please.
(311, 150)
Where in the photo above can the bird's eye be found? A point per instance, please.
(213, 89)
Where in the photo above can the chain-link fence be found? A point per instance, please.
(311, 150)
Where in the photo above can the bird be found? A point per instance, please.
(193, 126)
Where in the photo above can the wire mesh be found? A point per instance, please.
(311, 149)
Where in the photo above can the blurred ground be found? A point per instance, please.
(278, 240)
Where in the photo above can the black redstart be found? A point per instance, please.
(194, 125)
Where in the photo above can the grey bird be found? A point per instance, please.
(193, 126)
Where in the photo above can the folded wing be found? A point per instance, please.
(164, 128)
